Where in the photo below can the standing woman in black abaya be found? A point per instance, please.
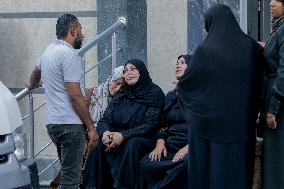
(128, 126)
(218, 95)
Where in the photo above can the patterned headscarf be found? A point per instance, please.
(101, 97)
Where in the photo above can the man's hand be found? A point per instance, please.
(93, 138)
(34, 81)
(160, 149)
(37, 85)
(181, 153)
(270, 120)
(88, 96)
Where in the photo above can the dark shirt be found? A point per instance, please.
(174, 127)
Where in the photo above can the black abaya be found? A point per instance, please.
(166, 173)
(219, 95)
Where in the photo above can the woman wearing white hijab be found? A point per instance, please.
(100, 96)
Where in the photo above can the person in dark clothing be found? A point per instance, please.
(273, 140)
(219, 96)
(166, 165)
(129, 123)
(98, 99)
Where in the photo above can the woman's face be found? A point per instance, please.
(115, 86)
(131, 74)
(180, 68)
(276, 8)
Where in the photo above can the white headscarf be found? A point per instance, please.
(101, 97)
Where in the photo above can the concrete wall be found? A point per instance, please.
(166, 39)
(23, 41)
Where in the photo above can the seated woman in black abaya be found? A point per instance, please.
(166, 165)
(129, 124)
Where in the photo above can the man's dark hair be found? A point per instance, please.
(64, 23)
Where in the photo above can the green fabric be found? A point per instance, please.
(274, 53)
(273, 158)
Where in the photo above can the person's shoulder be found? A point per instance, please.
(253, 44)
(171, 94)
(63, 48)
(203, 50)
(281, 29)
(249, 39)
(121, 94)
(158, 89)
(280, 32)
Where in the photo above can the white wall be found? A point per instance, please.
(166, 38)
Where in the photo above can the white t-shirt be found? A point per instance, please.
(59, 64)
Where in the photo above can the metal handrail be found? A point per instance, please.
(22, 94)
(36, 109)
(43, 148)
(32, 126)
(104, 59)
(120, 23)
(48, 166)
(113, 51)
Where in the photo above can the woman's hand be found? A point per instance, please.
(270, 120)
(117, 139)
(180, 154)
(160, 149)
(107, 138)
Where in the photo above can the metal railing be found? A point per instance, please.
(120, 23)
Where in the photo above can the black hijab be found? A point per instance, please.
(217, 90)
(171, 96)
(144, 91)
(186, 58)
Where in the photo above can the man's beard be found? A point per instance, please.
(78, 43)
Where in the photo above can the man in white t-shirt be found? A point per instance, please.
(61, 71)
